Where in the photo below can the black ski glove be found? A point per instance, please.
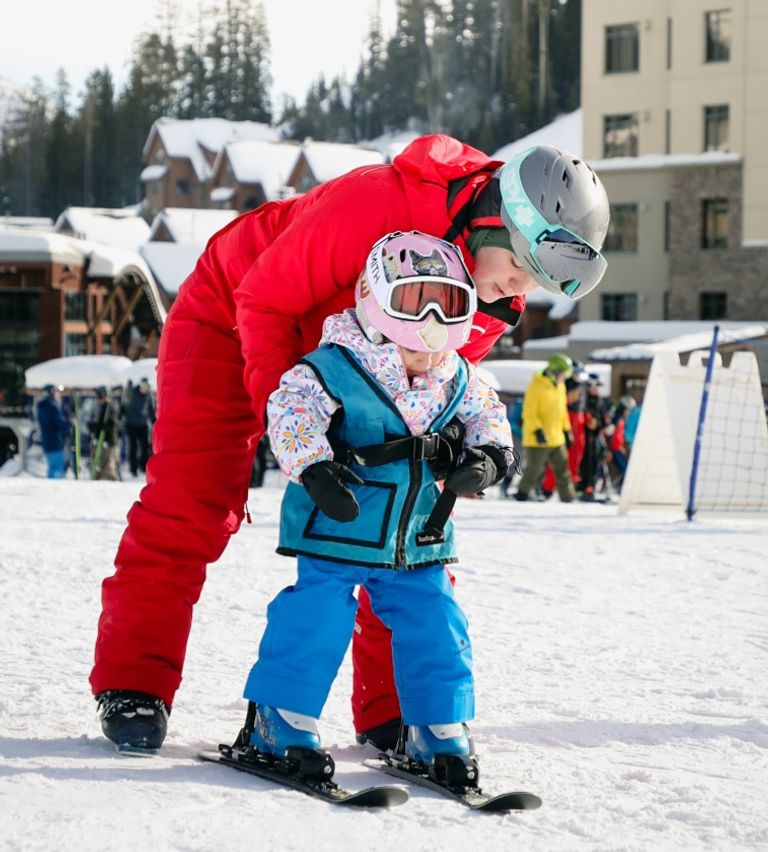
(480, 467)
(541, 438)
(449, 449)
(325, 483)
(569, 440)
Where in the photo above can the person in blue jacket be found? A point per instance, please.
(54, 430)
(354, 426)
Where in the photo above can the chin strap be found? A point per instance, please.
(500, 309)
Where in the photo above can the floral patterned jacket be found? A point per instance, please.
(299, 411)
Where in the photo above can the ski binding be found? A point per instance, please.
(307, 771)
(454, 776)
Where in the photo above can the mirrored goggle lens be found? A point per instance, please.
(415, 298)
(573, 265)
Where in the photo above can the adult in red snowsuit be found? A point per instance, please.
(253, 305)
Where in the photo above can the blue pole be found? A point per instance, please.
(700, 427)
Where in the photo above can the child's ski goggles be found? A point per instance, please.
(414, 298)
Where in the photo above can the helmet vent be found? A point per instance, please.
(558, 207)
(566, 178)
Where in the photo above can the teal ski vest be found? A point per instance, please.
(395, 499)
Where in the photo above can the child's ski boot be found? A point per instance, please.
(286, 739)
(445, 751)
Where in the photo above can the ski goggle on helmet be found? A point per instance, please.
(558, 259)
(417, 292)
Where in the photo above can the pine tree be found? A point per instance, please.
(62, 171)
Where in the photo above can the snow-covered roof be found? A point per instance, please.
(191, 225)
(186, 139)
(266, 163)
(683, 343)
(392, 144)
(85, 372)
(560, 305)
(123, 228)
(154, 172)
(564, 132)
(103, 261)
(35, 223)
(171, 263)
(222, 193)
(26, 246)
(559, 342)
(665, 161)
(643, 331)
(328, 160)
(78, 372)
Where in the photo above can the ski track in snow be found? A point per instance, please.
(621, 674)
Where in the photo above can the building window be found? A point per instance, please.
(667, 224)
(667, 303)
(716, 128)
(619, 307)
(714, 223)
(622, 230)
(622, 48)
(74, 344)
(620, 135)
(182, 187)
(668, 131)
(718, 26)
(75, 306)
(713, 306)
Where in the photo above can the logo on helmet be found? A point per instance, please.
(432, 264)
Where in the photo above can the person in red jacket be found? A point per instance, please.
(251, 308)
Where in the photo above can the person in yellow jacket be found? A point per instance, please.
(547, 429)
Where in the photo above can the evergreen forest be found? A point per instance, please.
(485, 71)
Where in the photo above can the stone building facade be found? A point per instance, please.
(737, 273)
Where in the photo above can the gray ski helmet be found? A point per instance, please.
(557, 213)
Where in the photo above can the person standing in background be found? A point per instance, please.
(139, 413)
(547, 429)
(54, 430)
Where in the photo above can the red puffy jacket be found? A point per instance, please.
(252, 307)
(276, 273)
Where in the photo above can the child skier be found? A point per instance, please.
(354, 427)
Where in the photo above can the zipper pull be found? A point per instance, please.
(247, 514)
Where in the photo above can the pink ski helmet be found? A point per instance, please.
(417, 292)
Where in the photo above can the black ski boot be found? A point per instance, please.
(133, 721)
(384, 737)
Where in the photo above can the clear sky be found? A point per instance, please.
(307, 37)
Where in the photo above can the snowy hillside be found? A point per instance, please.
(621, 674)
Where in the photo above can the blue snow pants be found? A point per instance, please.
(55, 459)
(309, 626)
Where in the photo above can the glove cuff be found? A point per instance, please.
(497, 456)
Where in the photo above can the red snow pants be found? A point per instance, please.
(374, 698)
(204, 441)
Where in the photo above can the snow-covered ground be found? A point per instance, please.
(621, 674)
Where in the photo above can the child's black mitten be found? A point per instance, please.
(326, 483)
(480, 467)
(449, 449)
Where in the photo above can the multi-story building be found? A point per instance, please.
(675, 120)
